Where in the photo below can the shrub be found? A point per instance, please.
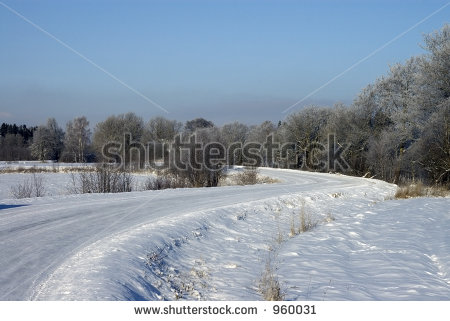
(165, 180)
(29, 188)
(204, 177)
(248, 177)
(105, 178)
(22, 190)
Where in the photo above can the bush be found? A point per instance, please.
(248, 177)
(29, 188)
(22, 190)
(204, 177)
(165, 180)
(103, 179)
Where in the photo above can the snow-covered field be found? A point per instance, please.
(55, 184)
(47, 165)
(215, 243)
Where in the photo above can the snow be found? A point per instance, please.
(56, 184)
(46, 165)
(214, 243)
(395, 250)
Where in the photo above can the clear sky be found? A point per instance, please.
(223, 60)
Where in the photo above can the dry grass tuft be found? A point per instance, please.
(46, 169)
(279, 238)
(267, 180)
(418, 189)
(329, 218)
(292, 231)
(306, 221)
(269, 285)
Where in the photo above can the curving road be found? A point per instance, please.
(37, 237)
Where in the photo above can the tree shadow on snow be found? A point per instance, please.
(6, 206)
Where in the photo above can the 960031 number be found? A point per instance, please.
(294, 309)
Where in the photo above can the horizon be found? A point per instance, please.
(224, 61)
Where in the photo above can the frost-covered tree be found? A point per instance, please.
(233, 137)
(234, 132)
(398, 108)
(192, 125)
(48, 141)
(436, 67)
(433, 148)
(124, 130)
(305, 129)
(160, 129)
(259, 133)
(77, 139)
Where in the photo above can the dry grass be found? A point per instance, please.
(28, 170)
(269, 285)
(57, 168)
(46, 169)
(248, 177)
(329, 218)
(337, 195)
(306, 221)
(292, 231)
(267, 180)
(418, 189)
(279, 238)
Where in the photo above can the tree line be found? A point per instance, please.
(397, 128)
(15, 141)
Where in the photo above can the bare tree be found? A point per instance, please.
(77, 139)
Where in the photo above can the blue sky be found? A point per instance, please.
(226, 60)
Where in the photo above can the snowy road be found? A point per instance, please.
(96, 247)
(37, 237)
